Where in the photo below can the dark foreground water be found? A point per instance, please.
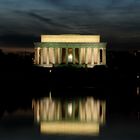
(120, 124)
(118, 127)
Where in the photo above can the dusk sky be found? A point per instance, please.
(117, 21)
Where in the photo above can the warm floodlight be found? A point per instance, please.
(70, 57)
(70, 109)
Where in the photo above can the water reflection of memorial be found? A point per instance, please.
(75, 116)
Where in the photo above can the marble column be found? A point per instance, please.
(104, 56)
(44, 59)
(53, 56)
(58, 113)
(80, 56)
(73, 54)
(41, 55)
(82, 112)
(66, 55)
(92, 56)
(83, 58)
(88, 111)
(60, 57)
(86, 56)
(47, 56)
(38, 111)
(103, 115)
(37, 55)
(56, 55)
(44, 55)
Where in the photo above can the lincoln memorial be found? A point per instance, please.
(84, 50)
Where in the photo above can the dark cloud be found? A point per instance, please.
(12, 38)
(116, 21)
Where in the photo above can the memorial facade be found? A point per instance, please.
(84, 50)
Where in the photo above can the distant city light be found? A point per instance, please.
(138, 90)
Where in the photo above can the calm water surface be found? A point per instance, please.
(115, 119)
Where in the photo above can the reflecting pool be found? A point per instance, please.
(74, 117)
(69, 116)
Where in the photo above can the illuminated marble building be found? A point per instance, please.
(78, 116)
(84, 50)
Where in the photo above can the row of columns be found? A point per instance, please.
(91, 56)
(92, 110)
(50, 110)
(46, 110)
(95, 56)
